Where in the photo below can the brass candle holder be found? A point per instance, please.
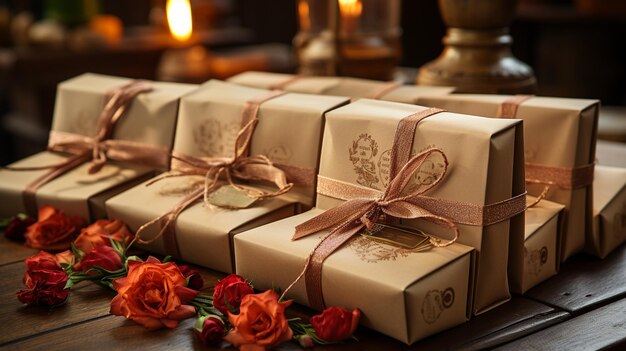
(477, 56)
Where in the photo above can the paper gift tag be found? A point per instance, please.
(411, 239)
(227, 196)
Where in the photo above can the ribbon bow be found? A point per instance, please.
(239, 167)
(97, 149)
(353, 215)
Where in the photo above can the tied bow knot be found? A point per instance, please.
(350, 217)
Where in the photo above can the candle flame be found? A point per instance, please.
(303, 12)
(351, 8)
(179, 19)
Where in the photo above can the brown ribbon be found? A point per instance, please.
(562, 177)
(383, 90)
(283, 83)
(240, 167)
(364, 207)
(97, 149)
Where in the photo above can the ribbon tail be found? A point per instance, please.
(167, 220)
(29, 197)
(347, 212)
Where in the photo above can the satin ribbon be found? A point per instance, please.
(240, 167)
(364, 207)
(98, 149)
(567, 178)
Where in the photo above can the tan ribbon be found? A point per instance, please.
(562, 177)
(97, 149)
(283, 83)
(383, 90)
(240, 167)
(364, 207)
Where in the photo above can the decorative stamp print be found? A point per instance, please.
(435, 302)
(535, 260)
(362, 153)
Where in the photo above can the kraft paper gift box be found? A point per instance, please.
(559, 133)
(290, 136)
(402, 293)
(288, 132)
(340, 86)
(609, 211)
(544, 226)
(486, 167)
(149, 121)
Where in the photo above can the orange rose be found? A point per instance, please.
(153, 294)
(100, 232)
(53, 229)
(65, 257)
(261, 323)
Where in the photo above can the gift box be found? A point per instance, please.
(544, 226)
(402, 293)
(211, 122)
(288, 133)
(203, 235)
(559, 143)
(609, 211)
(129, 148)
(486, 167)
(340, 86)
(356, 162)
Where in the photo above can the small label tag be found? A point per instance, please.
(228, 196)
(412, 239)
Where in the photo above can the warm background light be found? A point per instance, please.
(350, 7)
(179, 18)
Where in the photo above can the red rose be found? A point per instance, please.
(153, 294)
(211, 330)
(229, 292)
(44, 287)
(104, 257)
(17, 227)
(42, 261)
(335, 323)
(53, 229)
(100, 233)
(194, 279)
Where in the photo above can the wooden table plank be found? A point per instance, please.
(585, 282)
(599, 329)
(11, 252)
(515, 319)
(86, 302)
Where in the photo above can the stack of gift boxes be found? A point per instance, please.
(343, 191)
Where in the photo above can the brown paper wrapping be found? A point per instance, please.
(486, 166)
(203, 234)
(609, 211)
(340, 86)
(544, 225)
(406, 295)
(558, 132)
(289, 130)
(150, 120)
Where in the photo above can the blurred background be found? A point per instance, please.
(576, 48)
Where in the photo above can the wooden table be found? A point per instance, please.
(582, 308)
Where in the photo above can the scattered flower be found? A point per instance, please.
(100, 233)
(229, 293)
(209, 329)
(194, 279)
(45, 281)
(335, 323)
(16, 227)
(53, 230)
(104, 257)
(261, 323)
(153, 294)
